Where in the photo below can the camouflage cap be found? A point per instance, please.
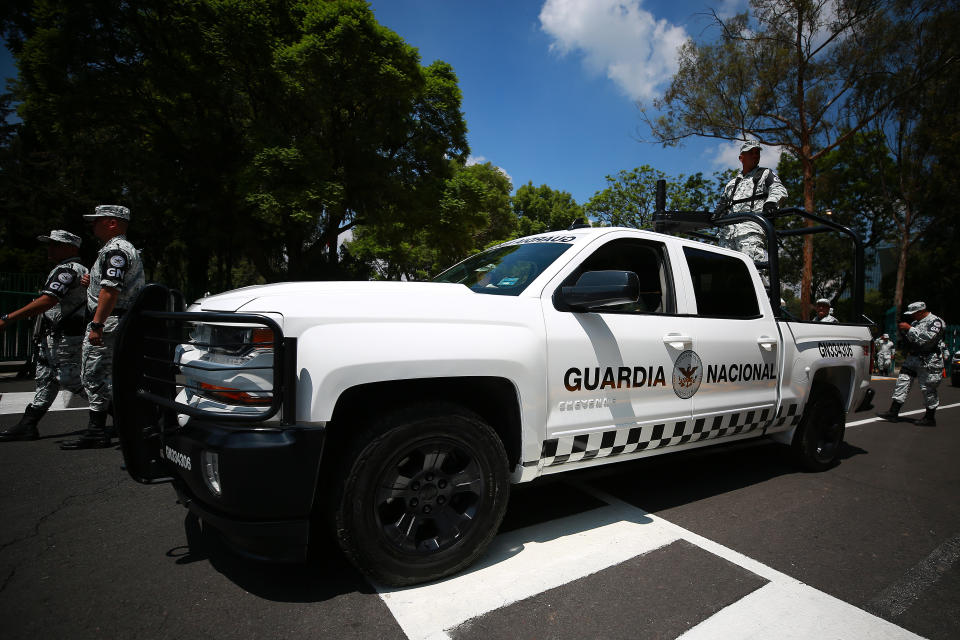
(916, 306)
(823, 301)
(748, 145)
(109, 211)
(61, 236)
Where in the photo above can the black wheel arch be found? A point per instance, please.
(495, 400)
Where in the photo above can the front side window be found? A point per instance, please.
(505, 270)
(642, 257)
(722, 284)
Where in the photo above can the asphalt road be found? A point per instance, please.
(720, 542)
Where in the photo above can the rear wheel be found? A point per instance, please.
(421, 494)
(817, 440)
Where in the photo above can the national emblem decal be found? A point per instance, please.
(118, 260)
(687, 374)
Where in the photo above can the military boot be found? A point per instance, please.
(95, 436)
(893, 415)
(26, 429)
(927, 420)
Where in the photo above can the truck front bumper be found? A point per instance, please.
(267, 479)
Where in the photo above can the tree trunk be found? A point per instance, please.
(806, 281)
(901, 275)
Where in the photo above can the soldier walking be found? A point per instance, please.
(884, 346)
(115, 280)
(62, 303)
(756, 189)
(924, 362)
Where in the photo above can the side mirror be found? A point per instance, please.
(599, 289)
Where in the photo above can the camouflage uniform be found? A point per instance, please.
(58, 363)
(884, 355)
(749, 192)
(118, 266)
(829, 318)
(924, 361)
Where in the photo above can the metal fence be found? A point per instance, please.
(16, 290)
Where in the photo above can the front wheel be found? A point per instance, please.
(816, 442)
(421, 495)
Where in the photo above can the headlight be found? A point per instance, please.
(232, 341)
(229, 363)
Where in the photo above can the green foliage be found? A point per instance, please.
(473, 212)
(541, 209)
(630, 198)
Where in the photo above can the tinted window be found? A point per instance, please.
(722, 285)
(644, 258)
(504, 270)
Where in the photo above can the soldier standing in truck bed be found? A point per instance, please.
(756, 189)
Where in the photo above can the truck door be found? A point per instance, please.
(610, 388)
(736, 340)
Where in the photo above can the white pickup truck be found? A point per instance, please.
(399, 413)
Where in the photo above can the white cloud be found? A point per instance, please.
(730, 8)
(726, 155)
(616, 37)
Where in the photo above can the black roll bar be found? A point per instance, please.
(691, 222)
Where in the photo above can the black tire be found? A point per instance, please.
(819, 436)
(955, 380)
(421, 494)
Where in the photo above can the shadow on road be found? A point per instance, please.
(653, 484)
(326, 575)
(664, 482)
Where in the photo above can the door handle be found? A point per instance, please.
(767, 342)
(677, 341)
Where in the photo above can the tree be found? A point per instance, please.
(541, 209)
(473, 212)
(356, 129)
(240, 132)
(919, 129)
(846, 187)
(785, 75)
(630, 198)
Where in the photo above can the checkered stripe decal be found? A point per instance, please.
(652, 436)
(788, 414)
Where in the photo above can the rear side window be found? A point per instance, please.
(722, 284)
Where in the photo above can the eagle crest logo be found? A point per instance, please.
(687, 374)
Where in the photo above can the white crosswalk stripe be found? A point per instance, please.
(529, 561)
(17, 401)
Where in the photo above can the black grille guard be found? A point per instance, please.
(145, 377)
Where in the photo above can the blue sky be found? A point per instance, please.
(550, 86)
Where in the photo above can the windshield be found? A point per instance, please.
(504, 270)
